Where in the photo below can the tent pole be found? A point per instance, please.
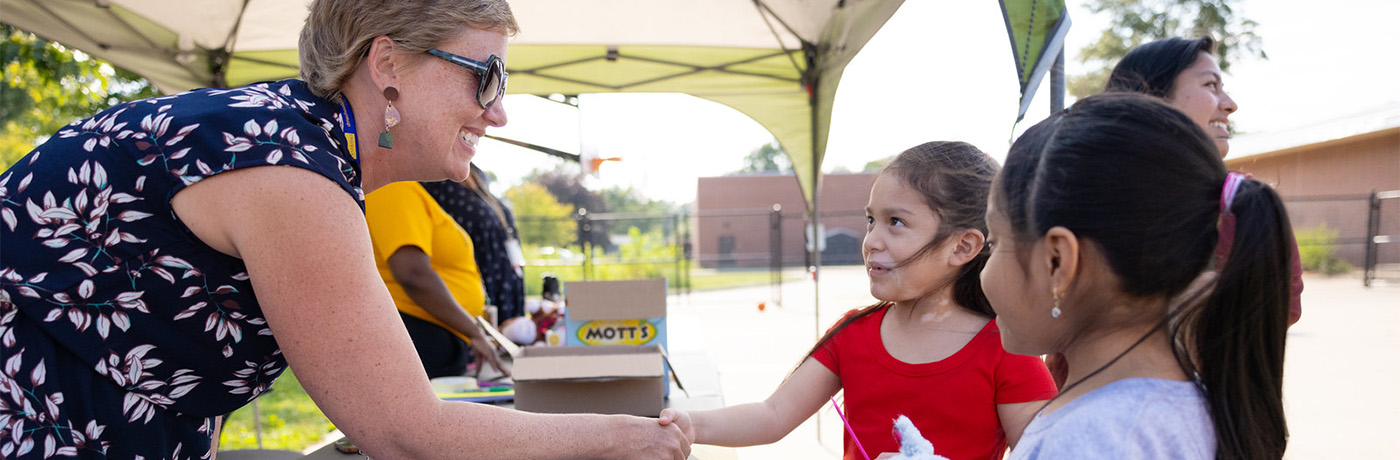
(1057, 83)
(815, 248)
(816, 267)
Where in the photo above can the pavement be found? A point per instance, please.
(1340, 373)
(753, 349)
(1342, 370)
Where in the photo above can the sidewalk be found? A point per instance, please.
(1342, 370)
(1343, 358)
(754, 350)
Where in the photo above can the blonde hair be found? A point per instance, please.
(338, 33)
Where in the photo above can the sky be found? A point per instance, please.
(944, 71)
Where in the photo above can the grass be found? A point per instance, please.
(290, 421)
(700, 278)
(723, 279)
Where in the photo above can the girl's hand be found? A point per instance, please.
(679, 418)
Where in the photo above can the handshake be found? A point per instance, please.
(912, 445)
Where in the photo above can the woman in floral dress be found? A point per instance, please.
(164, 261)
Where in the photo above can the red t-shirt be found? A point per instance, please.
(953, 402)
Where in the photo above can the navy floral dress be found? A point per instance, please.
(121, 334)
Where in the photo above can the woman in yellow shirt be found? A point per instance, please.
(427, 262)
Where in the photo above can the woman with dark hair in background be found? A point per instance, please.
(1185, 73)
(1102, 221)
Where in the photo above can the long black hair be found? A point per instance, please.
(1152, 68)
(954, 178)
(1142, 181)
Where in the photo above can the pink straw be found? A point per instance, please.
(850, 430)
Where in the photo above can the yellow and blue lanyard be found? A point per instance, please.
(348, 118)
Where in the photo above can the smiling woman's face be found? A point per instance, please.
(442, 120)
(1199, 92)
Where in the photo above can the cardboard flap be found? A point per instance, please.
(619, 361)
(674, 375)
(510, 347)
(613, 300)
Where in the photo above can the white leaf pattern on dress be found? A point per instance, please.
(94, 220)
(252, 129)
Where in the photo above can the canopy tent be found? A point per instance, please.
(777, 61)
(1037, 31)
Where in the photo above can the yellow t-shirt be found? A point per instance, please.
(403, 214)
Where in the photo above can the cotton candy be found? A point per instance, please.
(912, 445)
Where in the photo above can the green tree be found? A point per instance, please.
(630, 201)
(541, 219)
(566, 186)
(876, 165)
(647, 255)
(47, 85)
(768, 157)
(1134, 22)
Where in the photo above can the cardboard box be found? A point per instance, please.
(627, 312)
(604, 379)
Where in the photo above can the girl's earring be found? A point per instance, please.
(1055, 312)
(391, 118)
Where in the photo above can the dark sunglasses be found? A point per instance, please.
(490, 75)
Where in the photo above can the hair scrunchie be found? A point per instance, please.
(1226, 225)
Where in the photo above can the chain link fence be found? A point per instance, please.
(1356, 230)
(630, 246)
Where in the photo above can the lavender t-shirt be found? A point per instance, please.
(1137, 418)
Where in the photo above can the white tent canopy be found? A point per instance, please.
(777, 61)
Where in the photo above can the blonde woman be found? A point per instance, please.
(165, 260)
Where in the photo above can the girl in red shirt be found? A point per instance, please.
(929, 350)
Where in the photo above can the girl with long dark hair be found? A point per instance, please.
(1102, 222)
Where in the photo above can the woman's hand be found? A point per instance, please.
(643, 438)
(413, 270)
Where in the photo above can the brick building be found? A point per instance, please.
(735, 225)
(1326, 173)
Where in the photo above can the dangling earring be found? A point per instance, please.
(391, 118)
(1055, 312)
